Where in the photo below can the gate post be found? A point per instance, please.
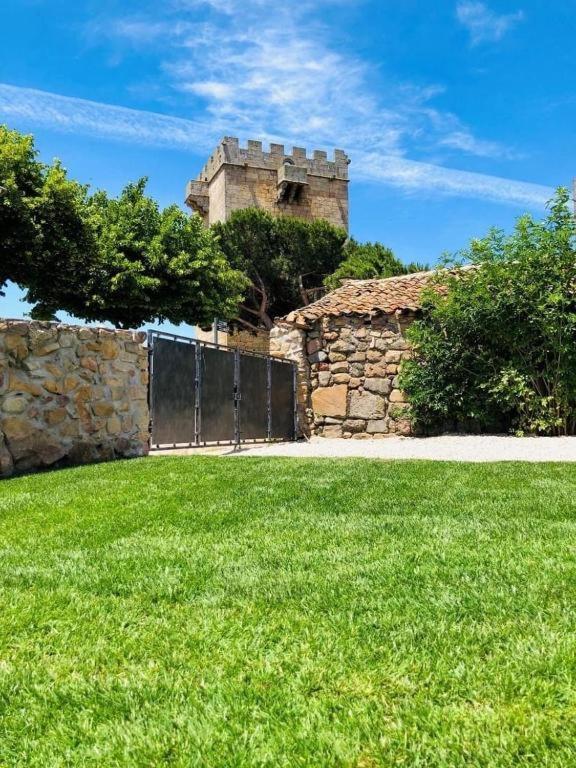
(150, 344)
(269, 398)
(237, 396)
(295, 397)
(198, 394)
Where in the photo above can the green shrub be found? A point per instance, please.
(496, 344)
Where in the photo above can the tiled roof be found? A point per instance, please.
(365, 297)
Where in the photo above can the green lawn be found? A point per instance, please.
(249, 612)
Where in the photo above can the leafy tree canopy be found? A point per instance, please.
(363, 261)
(121, 260)
(284, 258)
(44, 234)
(154, 263)
(499, 348)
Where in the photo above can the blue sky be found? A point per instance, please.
(457, 117)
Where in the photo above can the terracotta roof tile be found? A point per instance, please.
(365, 297)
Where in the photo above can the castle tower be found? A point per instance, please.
(282, 184)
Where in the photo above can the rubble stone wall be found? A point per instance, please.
(70, 394)
(289, 343)
(349, 374)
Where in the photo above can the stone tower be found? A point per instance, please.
(282, 184)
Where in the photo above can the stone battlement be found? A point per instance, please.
(229, 152)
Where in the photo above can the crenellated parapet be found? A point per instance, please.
(229, 152)
(310, 186)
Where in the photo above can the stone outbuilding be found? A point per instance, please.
(349, 346)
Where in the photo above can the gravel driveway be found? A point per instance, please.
(445, 448)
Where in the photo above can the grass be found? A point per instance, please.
(246, 612)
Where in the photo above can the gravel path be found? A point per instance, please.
(445, 448)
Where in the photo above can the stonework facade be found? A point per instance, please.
(350, 346)
(238, 338)
(70, 394)
(282, 184)
(348, 369)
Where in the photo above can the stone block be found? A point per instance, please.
(375, 370)
(397, 396)
(15, 404)
(324, 378)
(55, 416)
(17, 428)
(6, 462)
(67, 340)
(400, 344)
(366, 405)
(380, 385)
(315, 345)
(393, 356)
(55, 387)
(377, 426)
(20, 328)
(343, 345)
(341, 367)
(70, 383)
(16, 346)
(341, 378)
(47, 349)
(356, 370)
(103, 408)
(90, 363)
(330, 401)
(70, 428)
(332, 431)
(37, 450)
(137, 393)
(354, 425)
(403, 427)
(113, 425)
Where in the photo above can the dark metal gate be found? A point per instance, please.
(203, 394)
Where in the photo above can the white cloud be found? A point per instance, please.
(39, 108)
(276, 76)
(465, 141)
(426, 178)
(483, 24)
(278, 73)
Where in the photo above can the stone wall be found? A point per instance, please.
(289, 342)
(349, 374)
(249, 341)
(321, 198)
(70, 394)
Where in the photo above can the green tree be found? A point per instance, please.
(365, 261)
(153, 263)
(284, 259)
(44, 233)
(496, 344)
(121, 260)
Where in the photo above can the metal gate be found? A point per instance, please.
(202, 394)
